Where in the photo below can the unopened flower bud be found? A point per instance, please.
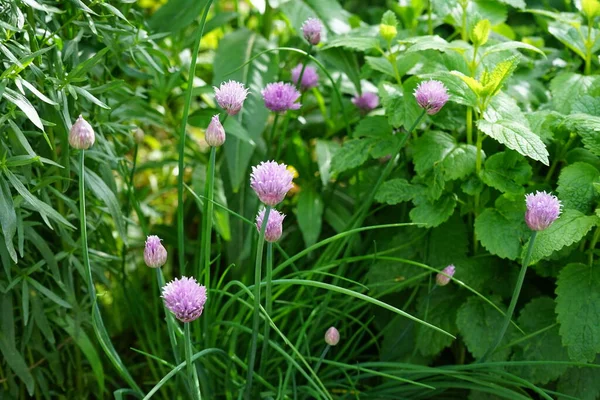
(274, 227)
(443, 278)
(311, 28)
(332, 336)
(388, 32)
(138, 135)
(155, 254)
(542, 210)
(215, 133)
(81, 135)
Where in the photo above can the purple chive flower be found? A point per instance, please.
(215, 133)
(185, 298)
(81, 135)
(310, 79)
(274, 224)
(443, 280)
(332, 336)
(311, 28)
(542, 210)
(431, 96)
(271, 182)
(366, 101)
(280, 97)
(155, 254)
(230, 96)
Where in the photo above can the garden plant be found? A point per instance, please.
(300, 199)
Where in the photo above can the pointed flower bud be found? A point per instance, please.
(81, 135)
(443, 278)
(542, 210)
(230, 96)
(310, 78)
(274, 227)
(215, 133)
(280, 97)
(311, 28)
(155, 254)
(366, 101)
(431, 96)
(332, 336)
(185, 298)
(138, 135)
(271, 182)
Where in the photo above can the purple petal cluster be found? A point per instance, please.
(542, 210)
(155, 254)
(311, 28)
(431, 96)
(310, 78)
(366, 101)
(280, 97)
(443, 278)
(230, 96)
(274, 227)
(332, 336)
(271, 182)
(215, 133)
(81, 135)
(185, 298)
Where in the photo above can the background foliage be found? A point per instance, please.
(524, 115)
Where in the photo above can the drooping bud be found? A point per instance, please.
(138, 135)
(155, 254)
(81, 135)
(332, 336)
(444, 277)
(431, 96)
(274, 227)
(215, 133)
(542, 210)
(311, 28)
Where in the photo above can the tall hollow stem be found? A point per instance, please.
(206, 236)
(192, 374)
(268, 306)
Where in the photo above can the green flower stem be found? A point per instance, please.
(513, 301)
(323, 354)
(256, 316)
(127, 212)
(429, 17)
(171, 326)
(478, 160)
(97, 323)
(191, 370)
(282, 135)
(182, 136)
(268, 306)
(304, 63)
(207, 215)
(272, 134)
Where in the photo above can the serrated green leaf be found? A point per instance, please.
(459, 91)
(537, 316)
(432, 214)
(576, 186)
(375, 126)
(520, 4)
(499, 234)
(439, 149)
(569, 228)
(504, 107)
(477, 322)
(357, 43)
(567, 88)
(448, 243)
(587, 104)
(396, 191)
(506, 171)
(516, 136)
(582, 383)
(569, 36)
(353, 154)
(512, 45)
(578, 309)
(422, 43)
(494, 80)
(392, 97)
(481, 32)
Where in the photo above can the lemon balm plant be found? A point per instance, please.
(429, 203)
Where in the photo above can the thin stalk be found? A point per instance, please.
(98, 324)
(191, 370)
(463, 33)
(182, 136)
(256, 316)
(208, 211)
(273, 130)
(478, 160)
(127, 212)
(268, 306)
(593, 246)
(429, 19)
(559, 158)
(160, 279)
(282, 135)
(392, 59)
(323, 354)
(304, 63)
(513, 301)
(588, 46)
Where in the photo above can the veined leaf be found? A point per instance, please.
(517, 137)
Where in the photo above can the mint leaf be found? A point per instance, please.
(581, 382)
(568, 87)
(576, 186)
(392, 98)
(578, 309)
(545, 346)
(448, 243)
(569, 228)
(477, 323)
(516, 136)
(507, 172)
(440, 149)
(356, 43)
(397, 191)
(353, 154)
(432, 214)
(376, 126)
